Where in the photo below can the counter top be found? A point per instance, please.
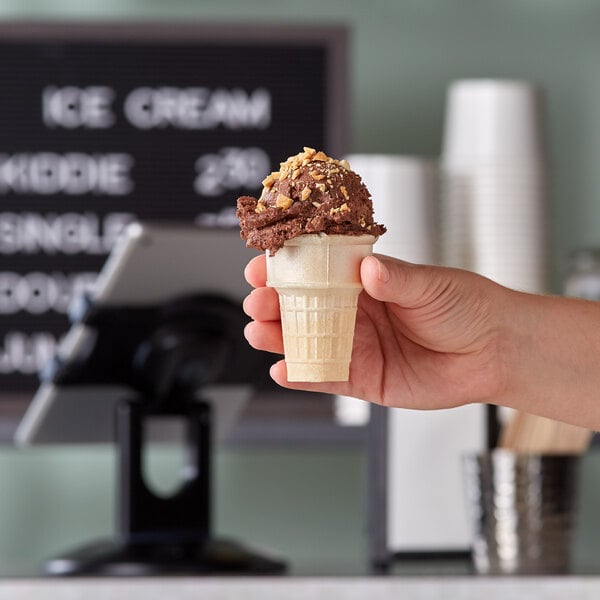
(305, 588)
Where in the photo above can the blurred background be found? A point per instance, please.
(403, 55)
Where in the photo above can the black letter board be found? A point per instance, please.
(104, 124)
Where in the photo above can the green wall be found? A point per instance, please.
(306, 504)
(404, 54)
(310, 503)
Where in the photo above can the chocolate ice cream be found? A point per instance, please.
(311, 193)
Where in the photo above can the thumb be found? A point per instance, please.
(406, 284)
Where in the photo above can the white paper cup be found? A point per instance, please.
(492, 121)
(404, 193)
(494, 222)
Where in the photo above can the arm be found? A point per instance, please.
(433, 337)
(554, 349)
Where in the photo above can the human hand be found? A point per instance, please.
(426, 337)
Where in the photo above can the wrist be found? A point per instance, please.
(551, 355)
(518, 335)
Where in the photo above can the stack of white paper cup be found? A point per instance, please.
(403, 189)
(493, 192)
(404, 193)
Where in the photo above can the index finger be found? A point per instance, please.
(256, 271)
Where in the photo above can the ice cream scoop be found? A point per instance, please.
(311, 193)
(314, 219)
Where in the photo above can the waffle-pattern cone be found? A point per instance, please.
(317, 278)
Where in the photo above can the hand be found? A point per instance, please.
(426, 337)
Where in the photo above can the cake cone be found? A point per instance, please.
(317, 277)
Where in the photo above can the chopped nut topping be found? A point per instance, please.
(305, 158)
(269, 180)
(316, 204)
(283, 202)
(260, 207)
(291, 170)
(343, 208)
(344, 163)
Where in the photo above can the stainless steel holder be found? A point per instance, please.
(523, 511)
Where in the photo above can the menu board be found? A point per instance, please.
(104, 125)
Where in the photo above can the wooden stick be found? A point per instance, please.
(525, 433)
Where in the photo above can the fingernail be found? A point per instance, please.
(383, 273)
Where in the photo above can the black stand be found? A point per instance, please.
(162, 536)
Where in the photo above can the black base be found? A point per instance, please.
(416, 555)
(384, 564)
(139, 559)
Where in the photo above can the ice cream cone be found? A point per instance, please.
(317, 278)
